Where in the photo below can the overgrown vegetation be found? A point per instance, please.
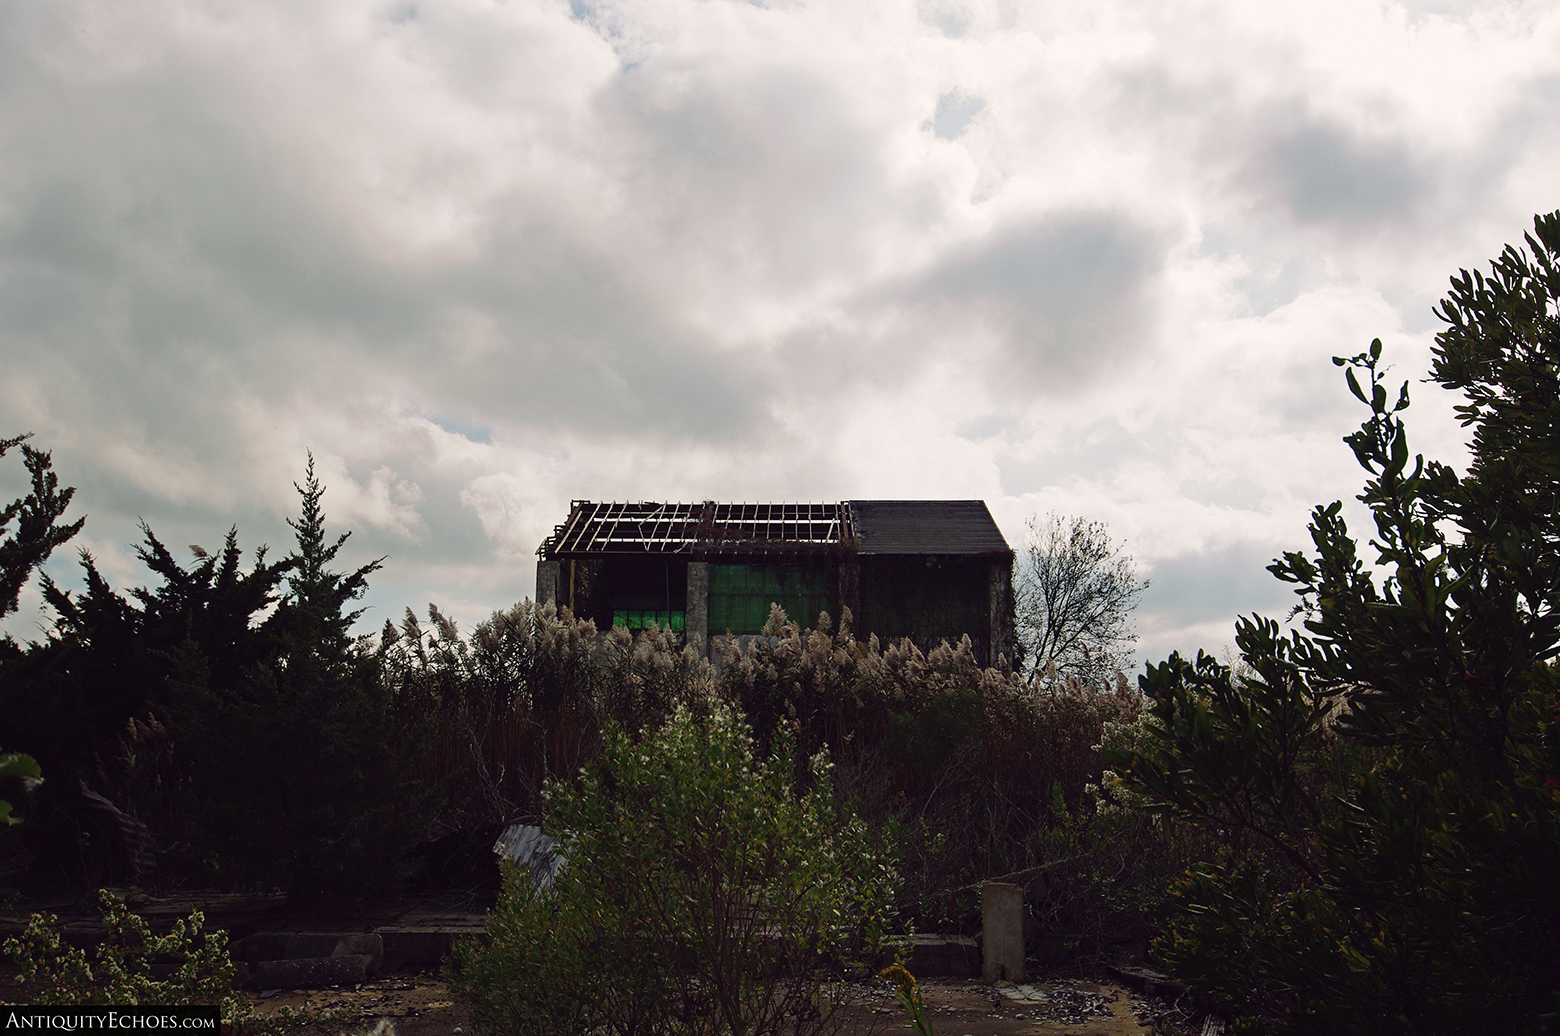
(195, 966)
(962, 766)
(38, 531)
(135, 967)
(226, 716)
(703, 892)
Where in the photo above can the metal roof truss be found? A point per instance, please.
(658, 528)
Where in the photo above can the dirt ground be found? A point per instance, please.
(418, 1004)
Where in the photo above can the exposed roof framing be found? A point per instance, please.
(657, 528)
(909, 527)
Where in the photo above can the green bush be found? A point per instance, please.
(55, 973)
(702, 893)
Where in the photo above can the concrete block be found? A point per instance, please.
(546, 582)
(311, 972)
(944, 956)
(367, 944)
(1002, 935)
(697, 606)
(422, 945)
(260, 946)
(302, 945)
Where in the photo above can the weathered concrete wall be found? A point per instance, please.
(1001, 593)
(546, 581)
(697, 608)
(850, 591)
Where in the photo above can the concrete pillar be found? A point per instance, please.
(1001, 625)
(1002, 931)
(546, 581)
(697, 612)
(850, 595)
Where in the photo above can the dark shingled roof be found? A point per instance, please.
(925, 527)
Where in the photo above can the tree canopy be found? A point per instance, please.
(1417, 896)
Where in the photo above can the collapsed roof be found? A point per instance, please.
(951, 527)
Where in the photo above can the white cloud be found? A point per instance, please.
(483, 259)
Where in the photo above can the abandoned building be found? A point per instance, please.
(925, 569)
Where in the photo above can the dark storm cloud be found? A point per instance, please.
(1068, 295)
(1327, 173)
(572, 341)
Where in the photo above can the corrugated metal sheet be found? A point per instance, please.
(925, 527)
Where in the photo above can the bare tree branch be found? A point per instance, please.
(1074, 599)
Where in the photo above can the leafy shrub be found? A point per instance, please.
(55, 973)
(15, 764)
(701, 893)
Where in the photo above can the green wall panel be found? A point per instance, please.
(740, 595)
(644, 618)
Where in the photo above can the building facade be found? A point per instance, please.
(925, 569)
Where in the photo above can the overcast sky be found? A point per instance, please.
(483, 258)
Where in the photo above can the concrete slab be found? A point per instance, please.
(422, 944)
(944, 956)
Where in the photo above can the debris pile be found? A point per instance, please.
(1063, 1002)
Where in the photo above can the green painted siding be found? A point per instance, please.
(740, 595)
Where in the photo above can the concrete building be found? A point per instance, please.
(924, 569)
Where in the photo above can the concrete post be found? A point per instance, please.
(1001, 625)
(1002, 935)
(546, 581)
(697, 613)
(850, 595)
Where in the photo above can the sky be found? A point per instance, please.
(484, 257)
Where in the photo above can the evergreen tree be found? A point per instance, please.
(35, 538)
(276, 760)
(300, 779)
(37, 530)
(1424, 900)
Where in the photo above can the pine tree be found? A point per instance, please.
(301, 778)
(35, 538)
(36, 515)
